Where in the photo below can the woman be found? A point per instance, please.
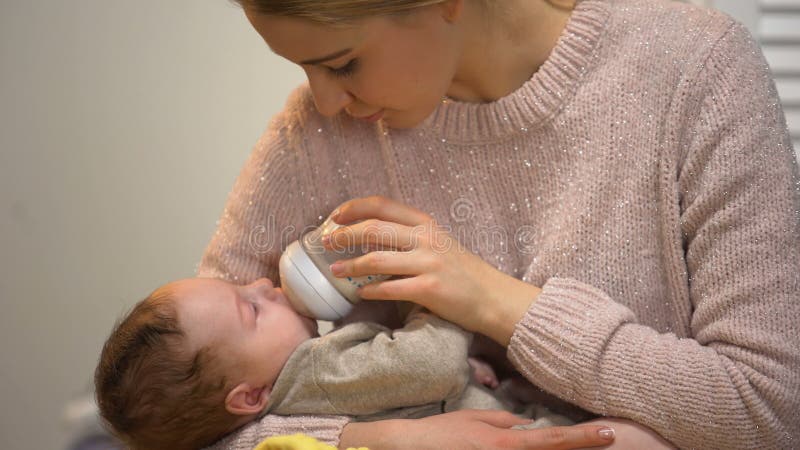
(607, 190)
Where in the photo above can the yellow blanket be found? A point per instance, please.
(296, 442)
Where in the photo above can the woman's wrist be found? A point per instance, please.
(373, 435)
(511, 302)
(353, 435)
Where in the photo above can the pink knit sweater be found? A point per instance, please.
(643, 176)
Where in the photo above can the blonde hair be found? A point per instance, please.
(334, 11)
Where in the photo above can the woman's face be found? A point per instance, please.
(394, 68)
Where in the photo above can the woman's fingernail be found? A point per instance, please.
(335, 214)
(337, 268)
(326, 239)
(606, 433)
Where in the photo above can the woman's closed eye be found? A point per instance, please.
(346, 70)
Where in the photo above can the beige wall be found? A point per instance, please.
(122, 127)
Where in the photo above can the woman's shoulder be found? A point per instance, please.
(673, 17)
(668, 29)
(659, 45)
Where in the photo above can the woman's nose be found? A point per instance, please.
(329, 95)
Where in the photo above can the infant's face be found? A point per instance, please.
(253, 326)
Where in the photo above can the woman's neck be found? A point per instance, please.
(504, 44)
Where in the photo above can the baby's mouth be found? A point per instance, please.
(312, 323)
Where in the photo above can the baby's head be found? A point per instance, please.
(196, 360)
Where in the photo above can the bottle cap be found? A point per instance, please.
(309, 291)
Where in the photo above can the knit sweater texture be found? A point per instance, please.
(644, 177)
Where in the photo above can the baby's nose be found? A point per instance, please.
(261, 286)
(262, 282)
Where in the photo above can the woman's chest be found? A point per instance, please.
(594, 218)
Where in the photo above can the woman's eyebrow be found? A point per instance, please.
(322, 59)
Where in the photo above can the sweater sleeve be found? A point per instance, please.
(734, 382)
(364, 368)
(261, 216)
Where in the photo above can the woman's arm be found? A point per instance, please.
(734, 382)
(471, 429)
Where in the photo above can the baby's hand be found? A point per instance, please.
(483, 373)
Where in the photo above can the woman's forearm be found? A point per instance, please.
(580, 345)
(471, 429)
(373, 435)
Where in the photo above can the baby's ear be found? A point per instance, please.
(246, 400)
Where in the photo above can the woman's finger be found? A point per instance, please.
(388, 262)
(388, 235)
(394, 289)
(496, 418)
(379, 207)
(562, 438)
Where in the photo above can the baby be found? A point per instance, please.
(201, 357)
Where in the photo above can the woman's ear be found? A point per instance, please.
(246, 400)
(452, 10)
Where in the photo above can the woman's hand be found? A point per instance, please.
(436, 271)
(468, 429)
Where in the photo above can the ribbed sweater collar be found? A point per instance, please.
(541, 97)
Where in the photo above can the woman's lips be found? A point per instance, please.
(373, 118)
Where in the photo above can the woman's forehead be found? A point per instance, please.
(301, 40)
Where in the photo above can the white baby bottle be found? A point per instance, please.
(309, 285)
